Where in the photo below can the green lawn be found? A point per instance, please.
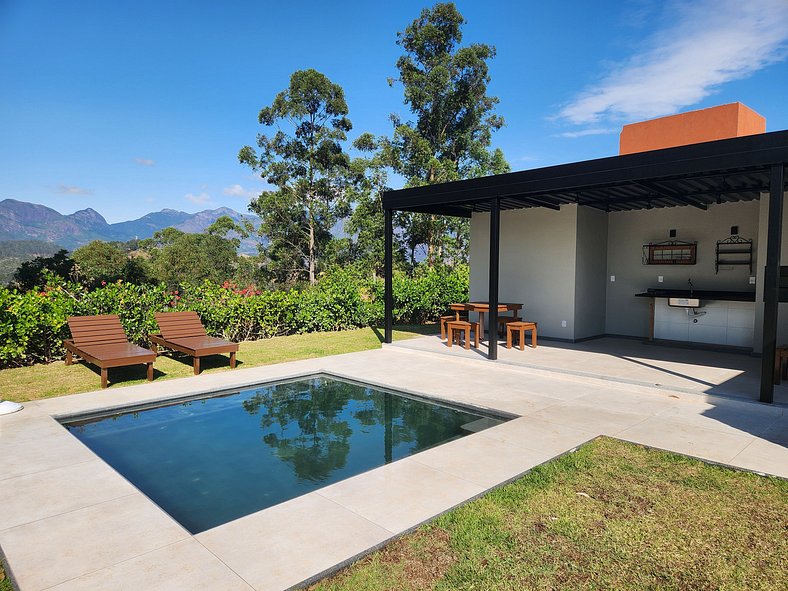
(56, 379)
(5, 584)
(610, 516)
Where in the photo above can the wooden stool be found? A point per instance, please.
(504, 320)
(445, 319)
(520, 327)
(456, 327)
(780, 364)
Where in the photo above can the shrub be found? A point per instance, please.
(33, 324)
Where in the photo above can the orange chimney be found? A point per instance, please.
(694, 127)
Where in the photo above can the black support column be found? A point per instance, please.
(388, 272)
(492, 316)
(771, 280)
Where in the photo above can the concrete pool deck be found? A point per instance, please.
(69, 521)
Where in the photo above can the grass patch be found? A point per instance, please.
(5, 582)
(613, 515)
(57, 379)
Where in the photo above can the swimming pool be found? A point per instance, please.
(210, 460)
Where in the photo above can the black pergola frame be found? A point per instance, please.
(737, 169)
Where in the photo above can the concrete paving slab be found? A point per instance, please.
(621, 400)
(282, 546)
(687, 439)
(401, 495)
(53, 448)
(539, 435)
(482, 460)
(44, 553)
(590, 418)
(726, 416)
(764, 456)
(44, 494)
(182, 566)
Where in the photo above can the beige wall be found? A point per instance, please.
(629, 231)
(537, 264)
(559, 263)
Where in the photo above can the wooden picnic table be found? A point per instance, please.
(481, 308)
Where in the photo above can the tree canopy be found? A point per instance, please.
(306, 164)
(445, 88)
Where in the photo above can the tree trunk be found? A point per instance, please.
(311, 257)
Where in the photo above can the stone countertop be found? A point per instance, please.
(730, 296)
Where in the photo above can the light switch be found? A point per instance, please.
(563, 323)
(612, 279)
(752, 280)
(660, 278)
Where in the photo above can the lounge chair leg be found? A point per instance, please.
(196, 366)
(533, 338)
(508, 337)
(150, 372)
(232, 360)
(103, 377)
(522, 339)
(69, 357)
(155, 348)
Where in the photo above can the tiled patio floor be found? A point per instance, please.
(68, 521)
(631, 361)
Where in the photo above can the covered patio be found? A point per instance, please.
(636, 363)
(697, 177)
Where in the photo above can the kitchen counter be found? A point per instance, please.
(722, 318)
(709, 295)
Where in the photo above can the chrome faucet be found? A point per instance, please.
(692, 287)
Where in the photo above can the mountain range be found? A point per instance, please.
(21, 220)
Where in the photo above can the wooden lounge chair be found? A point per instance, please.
(184, 332)
(101, 340)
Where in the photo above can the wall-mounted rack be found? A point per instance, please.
(670, 252)
(733, 251)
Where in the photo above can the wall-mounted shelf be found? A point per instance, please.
(670, 252)
(733, 251)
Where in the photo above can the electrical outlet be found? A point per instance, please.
(563, 323)
(752, 280)
(612, 279)
(660, 278)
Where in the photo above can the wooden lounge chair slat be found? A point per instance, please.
(184, 332)
(101, 340)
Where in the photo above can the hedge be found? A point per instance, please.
(33, 325)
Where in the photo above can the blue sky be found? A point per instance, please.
(131, 107)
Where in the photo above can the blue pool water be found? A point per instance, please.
(211, 460)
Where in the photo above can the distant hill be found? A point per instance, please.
(20, 220)
(15, 252)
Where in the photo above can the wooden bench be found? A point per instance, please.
(101, 341)
(520, 327)
(456, 328)
(184, 332)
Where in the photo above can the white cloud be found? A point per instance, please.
(72, 190)
(145, 161)
(588, 131)
(238, 191)
(197, 199)
(710, 43)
